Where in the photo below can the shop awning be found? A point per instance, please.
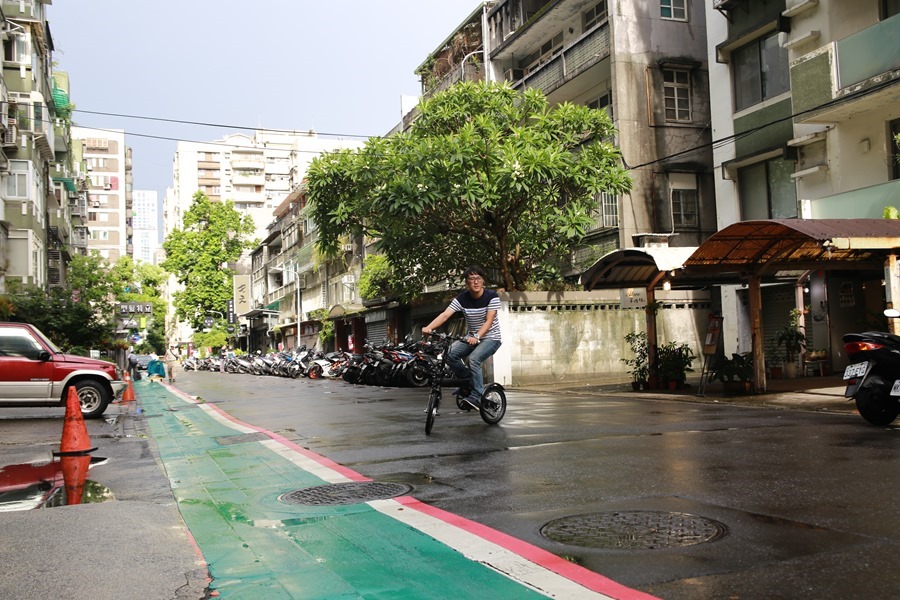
(633, 267)
(766, 247)
(343, 311)
(67, 182)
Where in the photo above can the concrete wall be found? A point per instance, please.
(580, 336)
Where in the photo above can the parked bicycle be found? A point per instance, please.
(492, 404)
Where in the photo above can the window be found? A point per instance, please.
(684, 200)
(17, 342)
(677, 93)
(673, 9)
(603, 102)
(595, 14)
(548, 50)
(760, 71)
(18, 180)
(15, 49)
(894, 145)
(607, 211)
(890, 8)
(767, 190)
(100, 235)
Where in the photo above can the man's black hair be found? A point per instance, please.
(474, 270)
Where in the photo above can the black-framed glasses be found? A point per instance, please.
(475, 278)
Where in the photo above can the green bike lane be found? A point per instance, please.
(228, 478)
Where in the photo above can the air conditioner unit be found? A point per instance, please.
(513, 74)
(107, 187)
(95, 204)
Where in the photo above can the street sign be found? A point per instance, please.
(230, 329)
(135, 339)
(208, 322)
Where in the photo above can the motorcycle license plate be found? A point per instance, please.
(895, 389)
(855, 370)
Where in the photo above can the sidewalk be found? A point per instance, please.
(818, 394)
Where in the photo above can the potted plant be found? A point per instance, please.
(639, 364)
(773, 359)
(792, 339)
(735, 373)
(674, 360)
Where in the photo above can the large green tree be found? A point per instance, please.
(214, 234)
(486, 174)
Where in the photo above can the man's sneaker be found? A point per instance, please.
(473, 400)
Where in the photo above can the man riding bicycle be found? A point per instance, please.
(480, 307)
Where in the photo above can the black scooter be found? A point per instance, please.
(873, 375)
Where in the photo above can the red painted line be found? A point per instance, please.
(548, 560)
(325, 462)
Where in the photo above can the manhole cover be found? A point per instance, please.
(229, 440)
(355, 492)
(633, 530)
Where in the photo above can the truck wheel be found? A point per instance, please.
(93, 398)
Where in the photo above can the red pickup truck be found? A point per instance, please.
(34, 372)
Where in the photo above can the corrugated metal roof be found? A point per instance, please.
(633, 267)
(792, 244)
(772, 249)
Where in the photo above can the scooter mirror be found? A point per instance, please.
(892, 313)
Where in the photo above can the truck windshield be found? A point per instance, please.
(47, 341)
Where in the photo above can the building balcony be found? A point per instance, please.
(62, 139)
(248, 178)
(45, 139)
(248, 164)
(587, 51)
(848, 77)
(862, 203)
(248, 197)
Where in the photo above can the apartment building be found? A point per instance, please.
(145, 224)
(40, 192)
(255, 171)
(805, 105)
(107, 171)
(258, 173)
(646, 64)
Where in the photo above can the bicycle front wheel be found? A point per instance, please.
(493, 404)
(434, 401)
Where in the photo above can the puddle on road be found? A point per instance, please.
(62, 482)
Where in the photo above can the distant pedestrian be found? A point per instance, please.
(223, 357)
(171, 360)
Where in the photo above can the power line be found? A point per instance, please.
(217, 125)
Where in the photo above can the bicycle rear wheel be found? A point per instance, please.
(434, 401)
(493, 404)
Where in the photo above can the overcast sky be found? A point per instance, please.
(338, 66)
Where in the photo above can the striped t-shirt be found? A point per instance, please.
(475, 310)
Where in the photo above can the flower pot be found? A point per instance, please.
(790, 370)
(672, 385)
(775, 373)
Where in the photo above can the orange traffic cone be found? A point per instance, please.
(75, 470)
(75, 438)
(128, 394)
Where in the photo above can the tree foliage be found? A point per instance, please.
(214, 234)
(72, 323)
(486, 175)
(375, 280)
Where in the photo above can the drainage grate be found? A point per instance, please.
(355, 492)
(634, 530)
(244, 438)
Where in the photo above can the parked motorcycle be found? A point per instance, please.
(873, 375)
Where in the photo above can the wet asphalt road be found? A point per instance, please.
(797, 504)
